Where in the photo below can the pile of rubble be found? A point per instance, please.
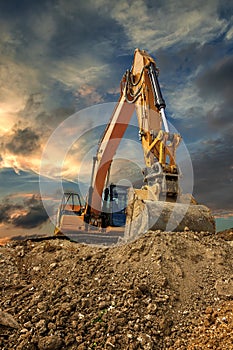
(164, 291)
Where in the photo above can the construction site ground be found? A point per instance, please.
(163, 291)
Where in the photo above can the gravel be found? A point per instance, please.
(164, 291)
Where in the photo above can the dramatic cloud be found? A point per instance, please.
(5, 211)
(61, 56)
(213, 162)
(214, 175)
(23, 141)
(28, 136)
(213, 169)
(216, 85)
(169, 23)
(217, 81)
(49, 120)
(30, 214)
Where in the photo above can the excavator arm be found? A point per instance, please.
(159, 145)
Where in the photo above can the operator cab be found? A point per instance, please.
(115, 203)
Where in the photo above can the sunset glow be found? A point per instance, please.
(60, 83)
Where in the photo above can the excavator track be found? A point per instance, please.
(100, 239)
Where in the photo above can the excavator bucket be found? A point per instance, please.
(143, 215)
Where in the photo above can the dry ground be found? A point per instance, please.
(170, 291)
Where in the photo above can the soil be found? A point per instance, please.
(165, 290)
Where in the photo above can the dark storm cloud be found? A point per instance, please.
(82, 29)
(212, 160)
(74, 54)
(64, 28)
(65, 44)
(217, 82)
(16, 8)
(192, 108)
(206, 125)
(5, 209)
(68, 44)
(23, 141)
(35, 216)
(213, 173)
(225, 9)
(179, 63)
(54, 117)
(216, 85)
(30, 214)
(221, 117)
(56, 36)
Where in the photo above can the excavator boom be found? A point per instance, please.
(107, 148)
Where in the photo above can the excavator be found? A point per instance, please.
(159, 204)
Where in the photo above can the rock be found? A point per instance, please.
(36, 268)
(20, 251)
(24, 330)
(42, 306)
(145, 341)
(53, 265)
(41, 326)
(48, 247)
(8, 320)
(51, 326)
(110, 342)
(69, 339)
(79, 339)
(28, 325)
(103, 305)
(52, 342)
(224, 287)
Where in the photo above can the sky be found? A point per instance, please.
(61, 58)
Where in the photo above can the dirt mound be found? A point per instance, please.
(164, 291)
